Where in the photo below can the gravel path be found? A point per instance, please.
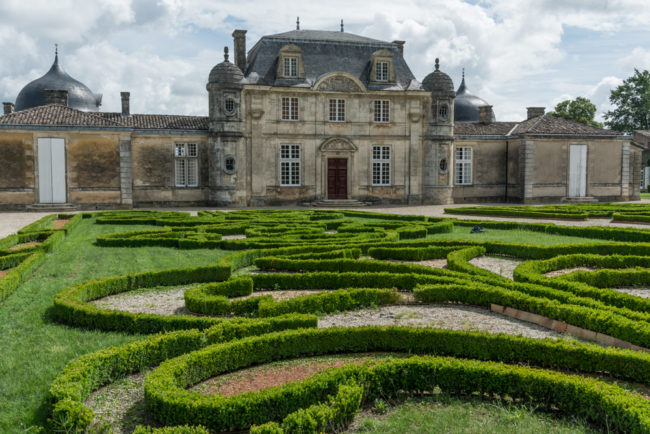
(638, 292)
(501, 266)
(564, 271)
(451, 317)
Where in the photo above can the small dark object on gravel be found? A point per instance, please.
(477, 230)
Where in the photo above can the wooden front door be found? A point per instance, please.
(337, 178)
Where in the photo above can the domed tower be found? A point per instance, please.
(438, 139)
(467, 104)
(227, 174)
(79, 96)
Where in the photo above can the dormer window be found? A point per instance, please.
(290, 63)
(291, 67)
(382, 70)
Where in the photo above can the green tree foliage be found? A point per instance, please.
(632, 104)
(579, 109)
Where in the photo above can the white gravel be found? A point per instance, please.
(502, 266)
(564, 271)
(450, 317)
(638, 291)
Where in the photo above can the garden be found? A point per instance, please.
(274, 321)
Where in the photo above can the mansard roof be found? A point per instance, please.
(62, 116)
(324, 52)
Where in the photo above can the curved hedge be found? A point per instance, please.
(168, 401)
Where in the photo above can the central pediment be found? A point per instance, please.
(339, 82)
(337, 144)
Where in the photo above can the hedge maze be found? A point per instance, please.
(359, 260)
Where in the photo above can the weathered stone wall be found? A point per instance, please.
(16, 168)
(488, 172)
(152, 159)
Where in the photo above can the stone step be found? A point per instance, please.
(53, 207)
(337, 203)
(587, 199)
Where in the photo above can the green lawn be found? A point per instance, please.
(462, 233)
(446, 414)
(34, 349)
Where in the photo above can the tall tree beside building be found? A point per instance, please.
(579, 109)
(631, 102)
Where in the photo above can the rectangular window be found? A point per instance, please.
(289, 165)
(381, 165)
(463, 166)
(289, 109)
(381, 71)
(186, 165)
(382, 111)
(337, 110)
(291, 67)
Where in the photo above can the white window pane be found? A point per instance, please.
(180, 172)
(180, 150)
(191, 149)
(192, 172)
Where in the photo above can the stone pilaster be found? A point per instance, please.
(526, 169)
(126, 180)
(625, 171)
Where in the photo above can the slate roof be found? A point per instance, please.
(59, 115)
(324, 52)
(540, 125)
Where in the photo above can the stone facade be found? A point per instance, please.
(308, 116)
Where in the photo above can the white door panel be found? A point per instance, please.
(51, 171)
(578, 171)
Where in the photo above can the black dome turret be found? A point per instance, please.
(79, 96)
(466, 104)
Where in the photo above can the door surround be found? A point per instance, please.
(336, 147)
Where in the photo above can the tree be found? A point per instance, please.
(580, 109)
(632, 104)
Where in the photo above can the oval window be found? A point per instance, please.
(443, 165)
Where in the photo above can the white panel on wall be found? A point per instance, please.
(51, 170)
(578, 171)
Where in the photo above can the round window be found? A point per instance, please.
(443, 165)
(229, 164)
(229, 106)
(443, 111)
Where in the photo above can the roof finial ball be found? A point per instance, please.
(225, 54)
(341, 25)
(437, 64)
(297, 23)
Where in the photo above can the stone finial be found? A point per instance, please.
(225, 54)
(341, 25)
(463, 73)
(56, 54)
(297, 23)
(437, 64)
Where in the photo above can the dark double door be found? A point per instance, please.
(337, 178)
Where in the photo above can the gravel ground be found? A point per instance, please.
(451, 317)
(638, 292)
(564, 271)
(501, 266)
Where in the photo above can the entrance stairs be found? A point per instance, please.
(337, 203)
(585, 199)
(52, 207)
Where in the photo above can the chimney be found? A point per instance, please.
(9, 107)
(400, 46)
(126, 110)
(53, 96)
(485, 114)
(239, 37)
(533, 112)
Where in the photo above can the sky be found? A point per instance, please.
(516, 53)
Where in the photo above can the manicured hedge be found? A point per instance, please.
(411, 253)
(91, 371)
(168, 401)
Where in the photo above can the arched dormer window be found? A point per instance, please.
(290, 63)
(382, 70)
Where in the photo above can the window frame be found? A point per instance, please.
(381, 108)
(290, 66)
(292, 111)
(337, 110)
(381, 167)
(291, 162)
(186, 155)
(382, 71)
(463, 165)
